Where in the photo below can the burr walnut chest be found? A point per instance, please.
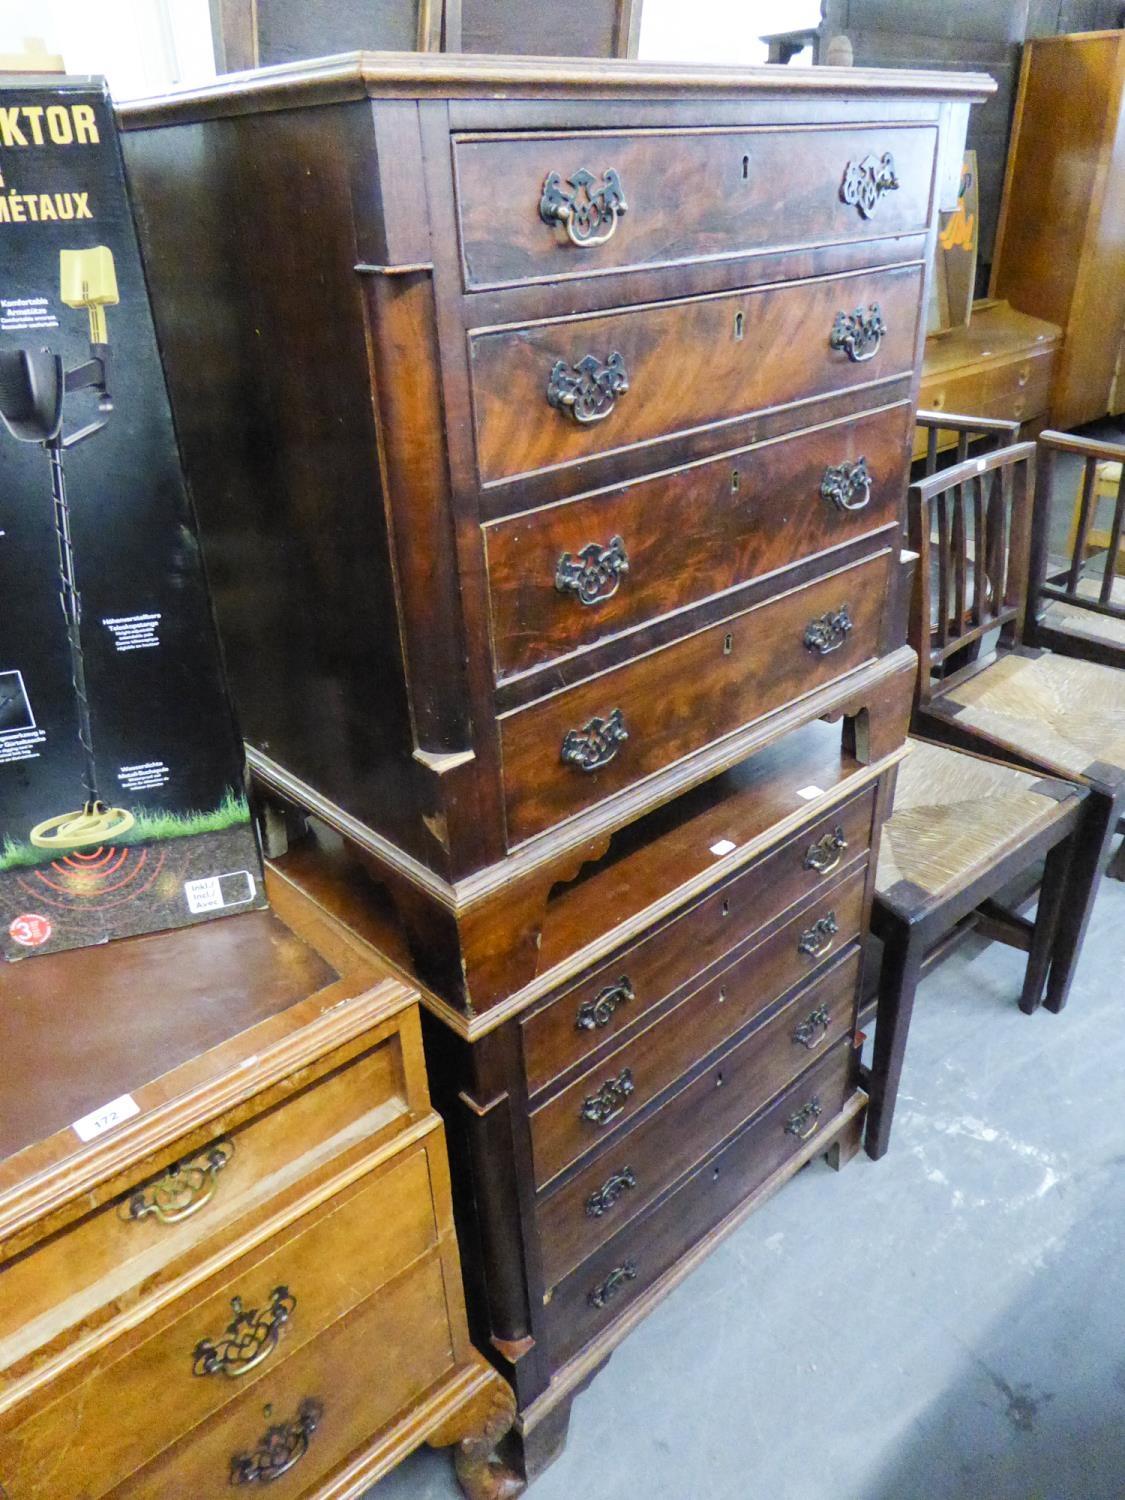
(548, 424)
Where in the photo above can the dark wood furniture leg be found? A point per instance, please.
(1116, 867)
(904, 949)
(1044, 937)
(1091, 853)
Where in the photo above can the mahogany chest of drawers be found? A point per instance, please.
(549, 425)
(242, 1270)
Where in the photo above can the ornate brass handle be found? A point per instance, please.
(813, 1029)
(279, 1448)
(595, 573)
(585, 211)
(607, 1103)
(182, 1191)
(825, 854)
(817, 939)
(866, 181)
(598, 1012)
(587, 391)
(613, 1283)
(249, 1338)
(596, 743)
(858, 334)
(602, 1199)
(847, 486)
(806, 1121)
(829, 631)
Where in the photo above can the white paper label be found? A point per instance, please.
(213, 892)
(90, 1126)
(724, 846)
(807, 793)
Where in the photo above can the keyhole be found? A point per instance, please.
(728, 644)
(726, 908)
(735, 481)
(739, 324)
(718, 1080)
(746, 169)
(715, 1175)
(722, 995)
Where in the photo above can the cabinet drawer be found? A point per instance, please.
(570, 750)
(621, 992)
(684, 364)
(319, 1407)
(90, 1271)
(604, 1286)
(688, 194)
(617, 1088)
(89, 1438)
(565, 577)
(1018, 390)
(577, 1217)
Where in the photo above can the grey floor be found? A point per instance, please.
(946, 1324)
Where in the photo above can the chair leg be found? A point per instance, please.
(1116, 867)
(1051, 893)
(1091, 851)
(903, 953)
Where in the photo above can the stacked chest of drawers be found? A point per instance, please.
(548, 425)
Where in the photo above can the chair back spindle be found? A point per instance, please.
(1086, 577)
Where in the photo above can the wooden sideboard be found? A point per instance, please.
(237, 1266)
(1001, 365)
(549, 426)
(1060, 244)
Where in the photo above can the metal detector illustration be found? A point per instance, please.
(33, 388)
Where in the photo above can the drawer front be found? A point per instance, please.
(579, 1119)
(204, 1356)
(571, 750)
(560, 391)
(1018, 391)
(584, 1212)
(318, 1408)
(619, 993)
(687, 194)
(605, 1285)
(85, 1274)
(570, 575)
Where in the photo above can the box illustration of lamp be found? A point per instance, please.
(33, 391)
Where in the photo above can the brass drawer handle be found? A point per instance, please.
(866, 181)
(593, 574)
(585, 211)
(825, 854)
(587, 391)
(602, 1199)
(598, 1012)
(847, 486)
(806, 1121)
(279, 1448)
(182, 1191)
(829, 631)
(813, 1029)
(613, 1283)
(249, 1338)
(858, 334)
(596, 743)
(817, 939)
(607, 1103)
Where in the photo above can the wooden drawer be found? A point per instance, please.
(689, 194)
(636, 719)
(578, 1216)
(578, 1120)
(621, 992)
(320, 1405)
(604, 1286)
(567, 576)
(91, 1271)
(141, 1393)
(1018, 391)
(689, 363)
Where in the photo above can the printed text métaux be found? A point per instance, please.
(45, 125)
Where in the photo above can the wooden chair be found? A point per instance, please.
(987, 433)
(963, 829)
(971, 526)
(1079, 608)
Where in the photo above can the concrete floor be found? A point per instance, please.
(947, 1324)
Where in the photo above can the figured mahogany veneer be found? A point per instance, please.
(549, 425)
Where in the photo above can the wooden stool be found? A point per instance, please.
(963, 828)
